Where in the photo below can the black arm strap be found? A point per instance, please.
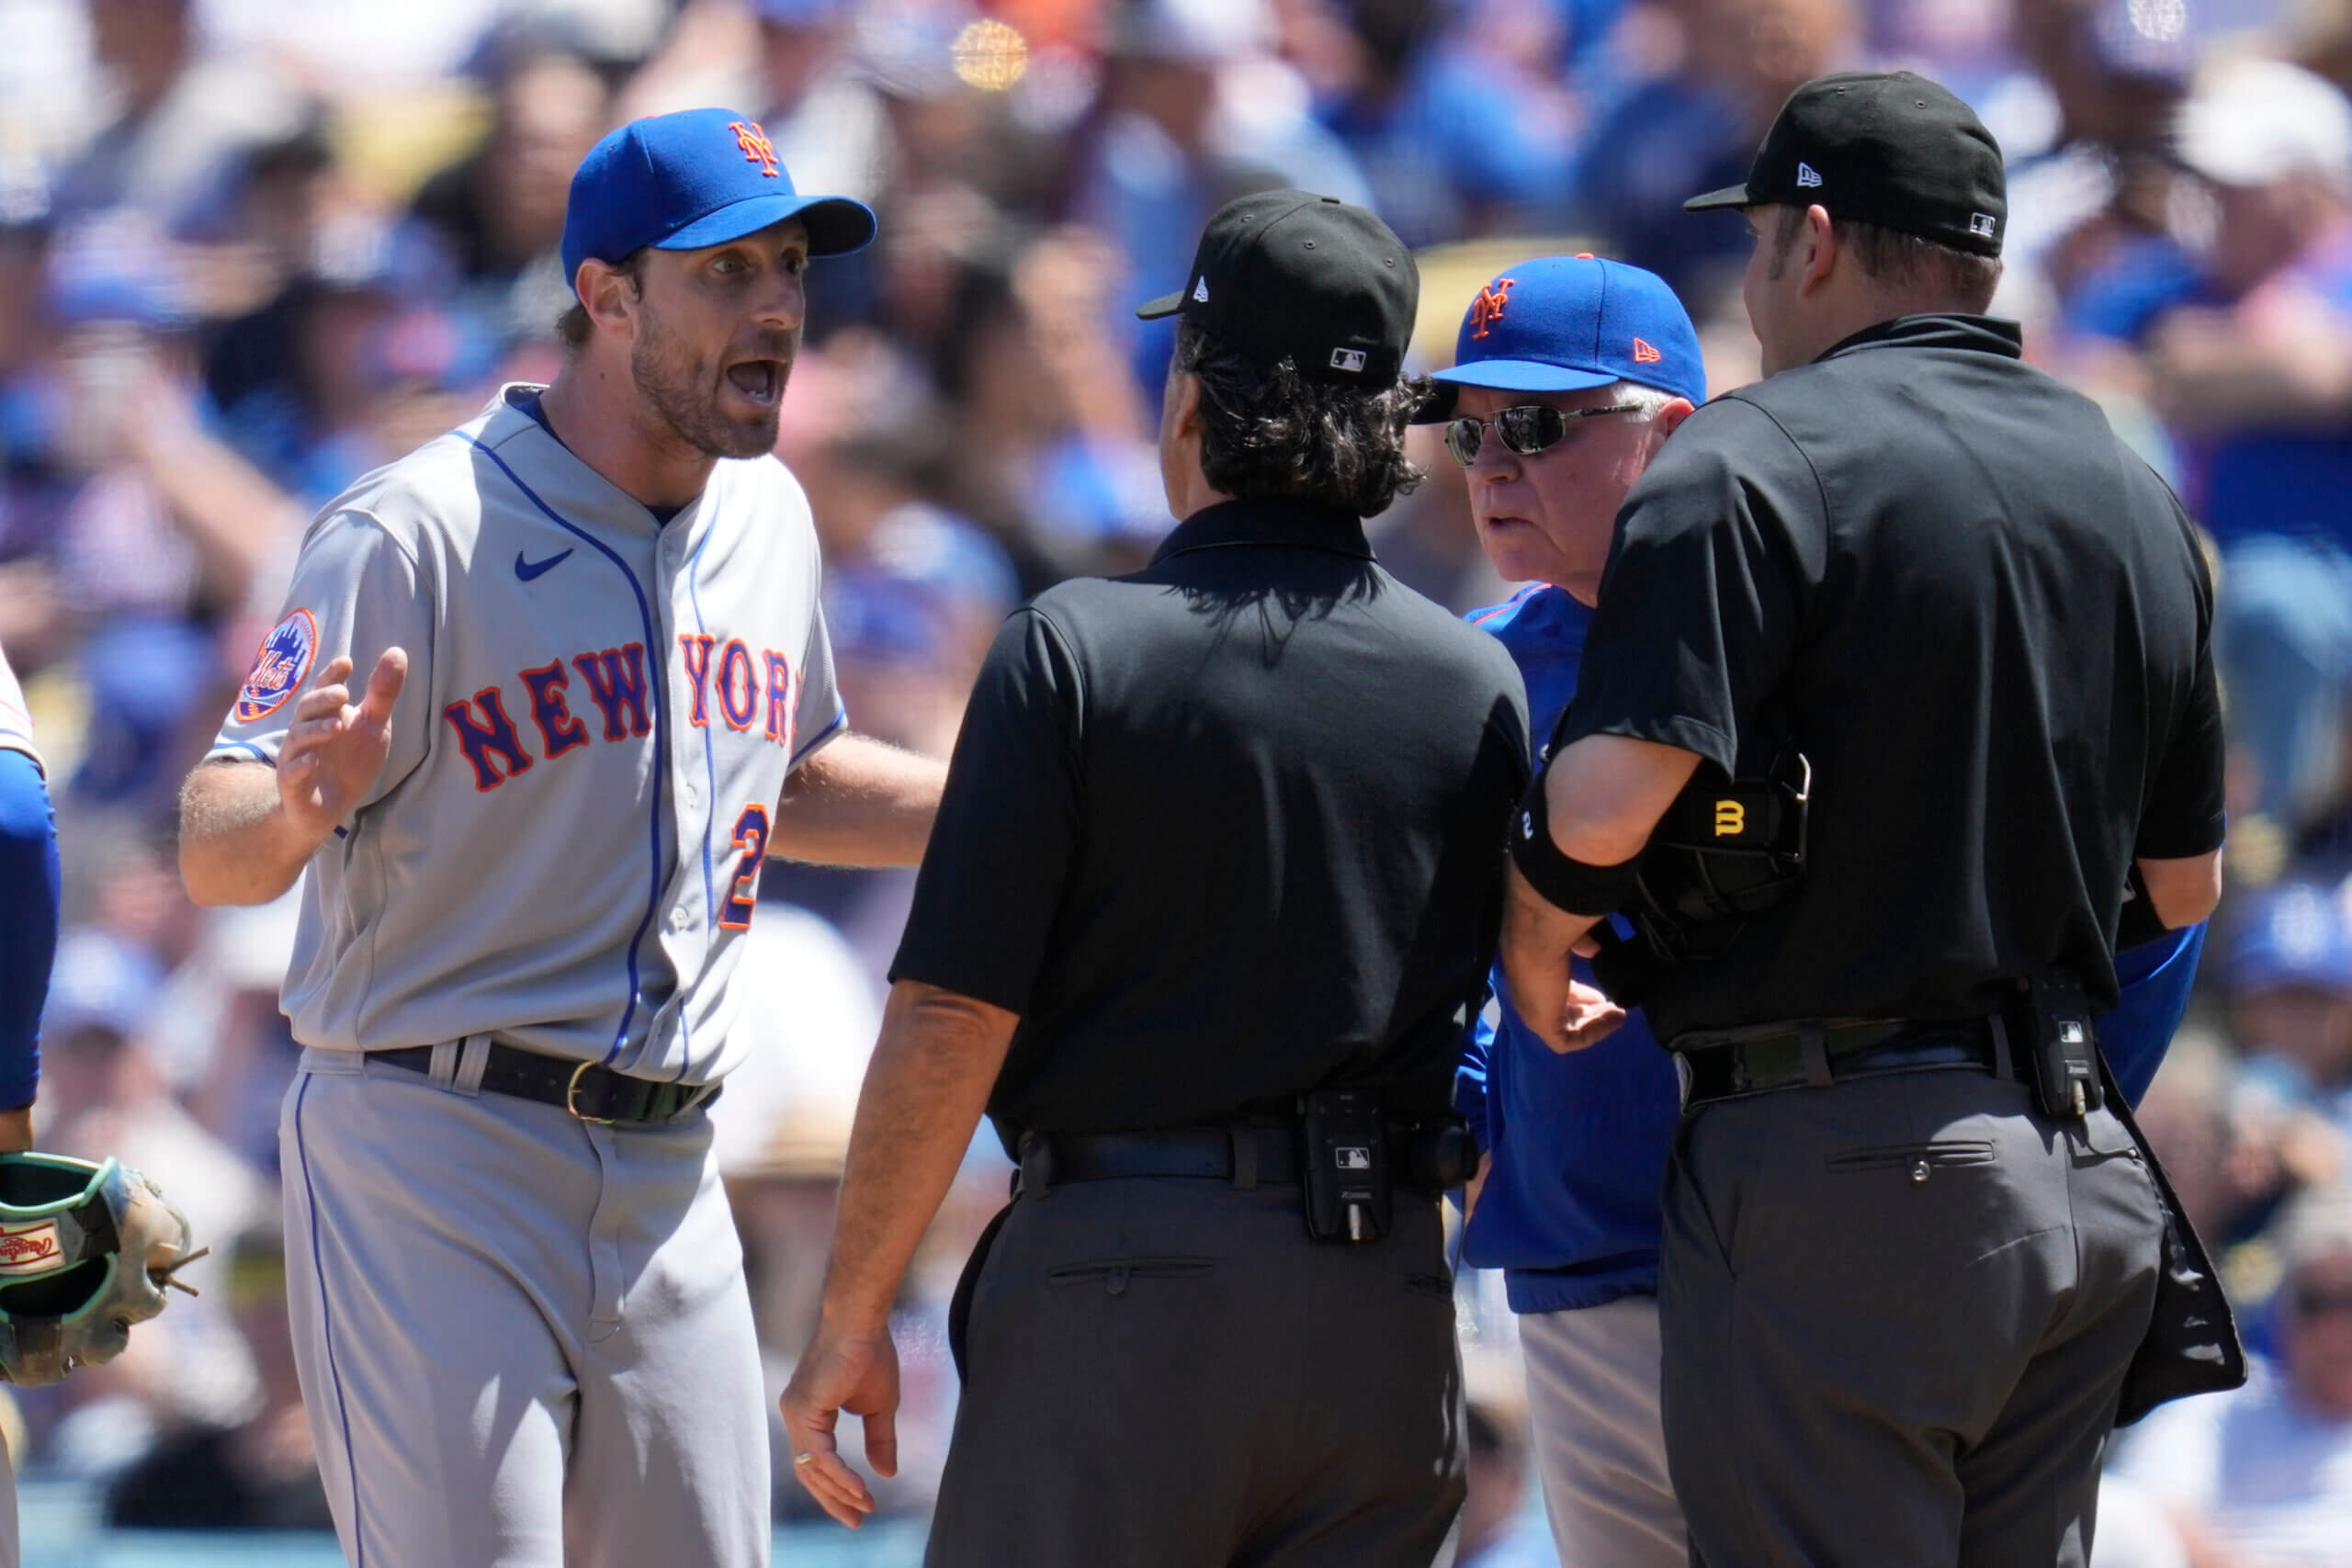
(1568, 885)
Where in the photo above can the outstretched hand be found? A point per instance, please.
(333, 749)
(837, 1373)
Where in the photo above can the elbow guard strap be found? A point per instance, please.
(1568, 885)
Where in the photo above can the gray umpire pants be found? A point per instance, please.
(1168, 1373)
(1896, 1315)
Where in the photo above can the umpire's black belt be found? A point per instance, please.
(1243, 1154)
(590, 1092)
(1716, 1067)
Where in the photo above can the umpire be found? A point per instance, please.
(1907, 1257)
(1216, 871)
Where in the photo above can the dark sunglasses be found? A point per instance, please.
(2319, 1301)
(1527, 429)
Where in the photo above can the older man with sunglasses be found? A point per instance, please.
(1570, 373)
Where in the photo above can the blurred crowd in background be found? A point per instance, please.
(250, 249)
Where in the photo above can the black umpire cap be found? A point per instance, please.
(1285, 274)
(1888, 148)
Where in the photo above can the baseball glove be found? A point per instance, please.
(85, 1251)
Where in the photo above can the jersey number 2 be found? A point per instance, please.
(752, 838)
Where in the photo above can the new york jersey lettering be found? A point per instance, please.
(615, 681)
(489, 740)
(557, 726)
(696, 646)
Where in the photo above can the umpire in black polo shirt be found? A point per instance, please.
(1220, 840)
(1898, 1297)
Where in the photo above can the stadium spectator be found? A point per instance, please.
(498, 213)
(2249, 360)
(178, 118)
(258, 1472)
(2289, 975)
(2261, 1477)
(1696, 127)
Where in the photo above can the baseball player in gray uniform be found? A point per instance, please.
(599, 686)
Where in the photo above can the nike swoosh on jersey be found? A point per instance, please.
(529, 569)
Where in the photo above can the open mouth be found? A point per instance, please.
(761, 380)
(1506, 521)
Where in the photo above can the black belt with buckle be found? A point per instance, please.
(592, 1093)
(1713, 1068)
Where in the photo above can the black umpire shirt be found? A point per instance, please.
(1225, 831)
(1981, 617)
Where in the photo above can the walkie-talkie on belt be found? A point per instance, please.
(2055, 1025)
(1347, 1183)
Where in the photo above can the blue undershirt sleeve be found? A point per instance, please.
(28, 903)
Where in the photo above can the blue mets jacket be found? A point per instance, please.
(1579, 1142)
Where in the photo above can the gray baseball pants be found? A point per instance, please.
(1896, 1315)
(1167, 1373)
(523, 1340)
(1592, 1406)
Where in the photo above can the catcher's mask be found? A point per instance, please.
(85, 1251)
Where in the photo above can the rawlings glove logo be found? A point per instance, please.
(28, 1249)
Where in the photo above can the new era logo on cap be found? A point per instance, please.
(1201, 290)
(1645, 354)
(1805, 175)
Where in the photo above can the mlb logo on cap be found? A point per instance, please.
(1566, 323)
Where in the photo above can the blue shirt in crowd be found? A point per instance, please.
(1569, 1210)
(2237, 482)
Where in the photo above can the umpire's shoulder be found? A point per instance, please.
(1734, 453)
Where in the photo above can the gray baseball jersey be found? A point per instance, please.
(523, 1338)
(563, 846)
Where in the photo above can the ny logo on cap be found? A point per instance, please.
(1487, 308)
(1981, 223)
(1805, 177)
(1645, 354)
(754, 142)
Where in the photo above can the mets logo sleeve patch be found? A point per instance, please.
(279, 668)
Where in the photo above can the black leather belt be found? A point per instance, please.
(1726, 1068)
(1246, 1157)
(590, 1092)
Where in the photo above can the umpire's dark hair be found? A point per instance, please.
(1269, 432)
(573, 325)
(1897, 260)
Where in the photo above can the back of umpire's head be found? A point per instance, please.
(1874, 195)
(1288, 380)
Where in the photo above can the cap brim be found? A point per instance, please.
(1507, 376)
(1525, 376)
(1730, 195)
(1166, 305)
(836, 225)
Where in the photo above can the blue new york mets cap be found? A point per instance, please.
(678, 182)
(1565, 323)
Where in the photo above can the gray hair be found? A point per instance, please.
(1649, 402)
(1268, 432)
